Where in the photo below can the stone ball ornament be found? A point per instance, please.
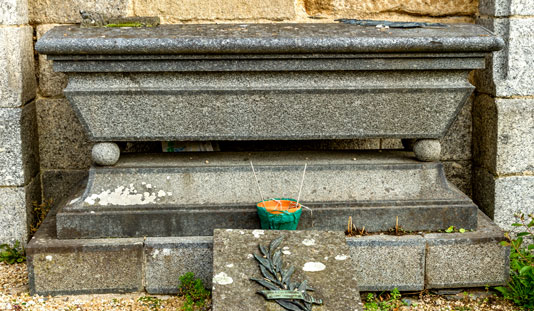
(427, 150)
(105, 154)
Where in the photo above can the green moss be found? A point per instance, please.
(127, 25)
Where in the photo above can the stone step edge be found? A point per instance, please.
(444, 260)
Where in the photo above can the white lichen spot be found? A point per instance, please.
(222, 279)
(286, 252)
(148, 186)
(326, 258)
(241, 232)
(308, 242)
(249, 256)
(169, 194)
(166, 251)
(341, 257)
(155, 253)
(92, 212)
(121, 196)
(313, 266)
(257, 233)
(231, 265)
(229, 230)
(161, 193)
(168, 177)
(143, 183)
(48, 258)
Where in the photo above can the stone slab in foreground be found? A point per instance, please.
(327, 252)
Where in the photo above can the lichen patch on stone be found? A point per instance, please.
(121, 196)
(257, 233)
(308, 242)
(313, 266)
(222, 279)
(341, 257)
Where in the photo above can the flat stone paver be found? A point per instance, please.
(320, 257)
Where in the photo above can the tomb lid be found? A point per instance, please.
(267, 39)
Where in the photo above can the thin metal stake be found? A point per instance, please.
(302, 182)
(257, 183)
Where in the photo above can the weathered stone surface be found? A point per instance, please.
(468, 259)
(459, 173)
(271, 38)
(503, 197)
(62, 142)
(83, 266)
(172, 11)
(503, 8)
(348, 8)
(456, 145)
(334, 280)
(17, 79)
(485, 132)
(59, 184)
(13, 12)
(152, 195)
(509, 72)
(18, 145)
(61, 11)
(168, 258)
(504, 131)
(385, 262)
(51, 83)
(389, 143)
(15, 211)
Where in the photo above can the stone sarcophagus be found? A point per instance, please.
(265, 82)
(254, 82)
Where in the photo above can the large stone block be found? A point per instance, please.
(504, 131)
(83, 266)
(322, 258)
(504, 197)
(385, 262)
(51, 83)
(171, 11)
(15, 211)
(61, 11)
(509, 72)
(372, 187)
(18, 145)
(503, 8)
(13, 12)
(17, 80)
(471, 259)
(348, 8)
(168, 258)
(62, 141)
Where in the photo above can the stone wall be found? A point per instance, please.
(63, 149)
(504, 114)
(19, 161)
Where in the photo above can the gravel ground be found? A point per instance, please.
(14, 296)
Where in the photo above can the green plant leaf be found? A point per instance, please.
(462, 230)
